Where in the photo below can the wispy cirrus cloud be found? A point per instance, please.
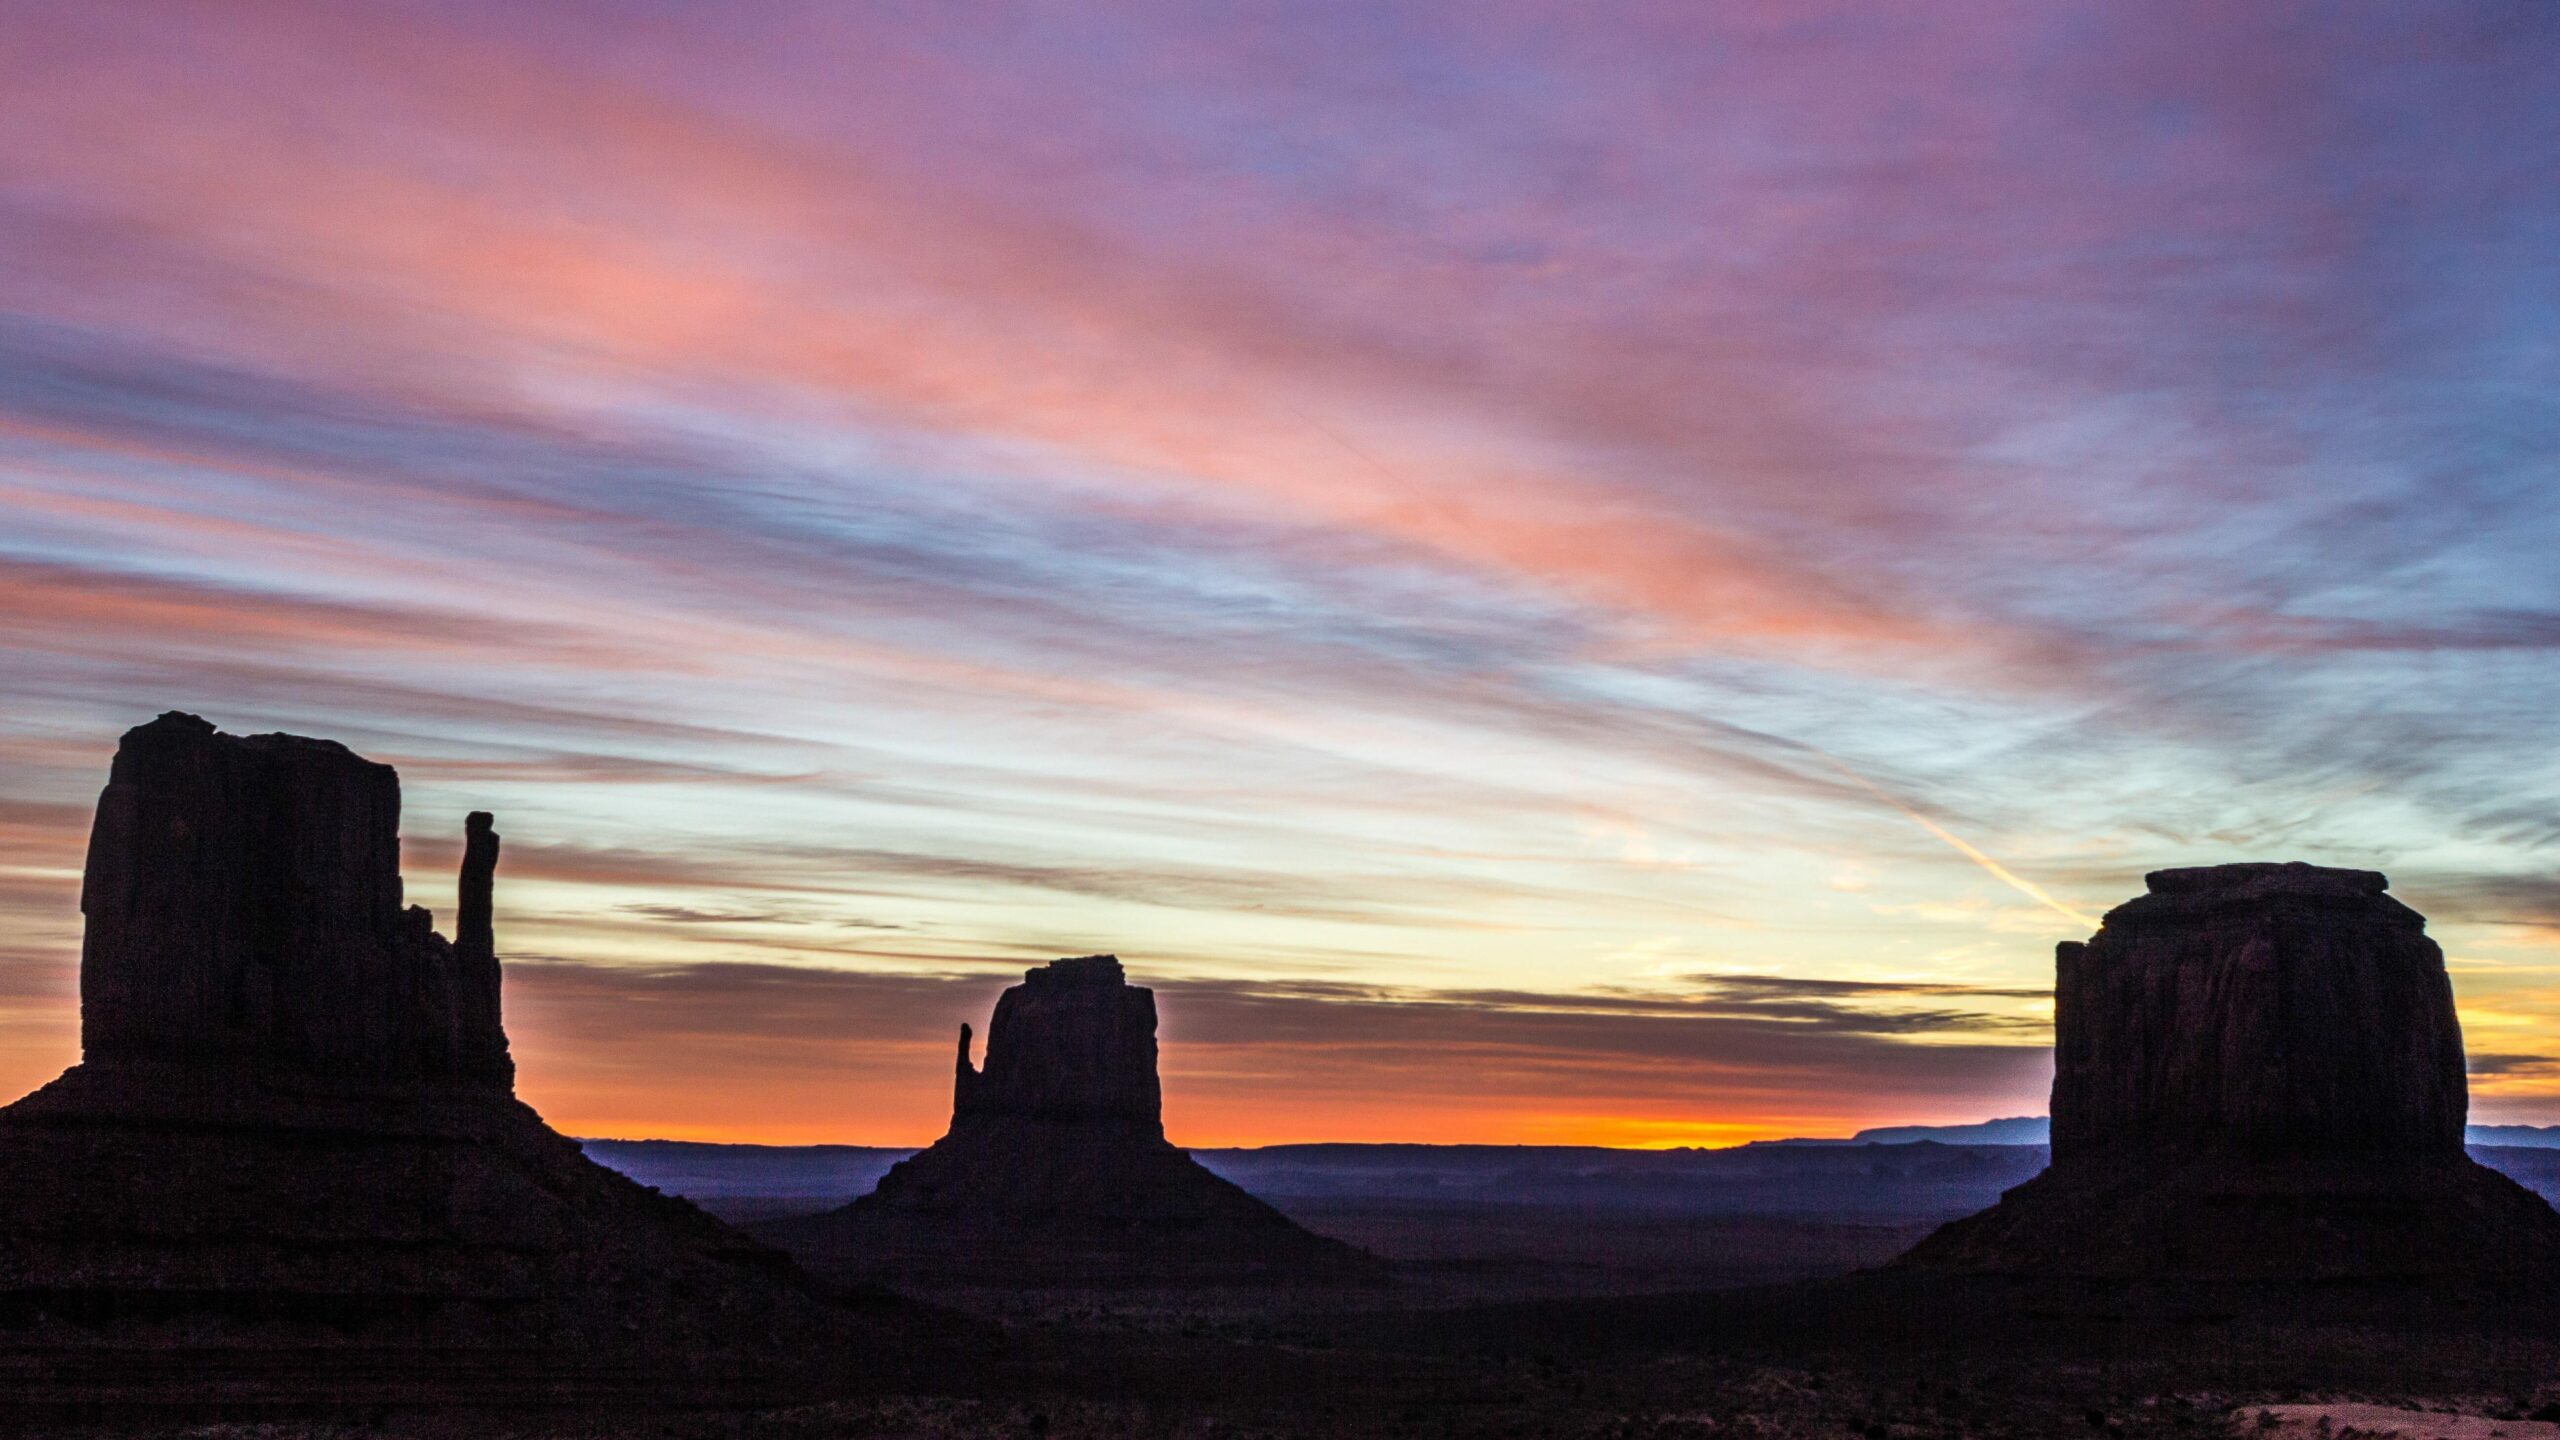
(1452, 501)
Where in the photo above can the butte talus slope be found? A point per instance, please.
(2258, 1077)
(290, 1168)
(1056, 1166)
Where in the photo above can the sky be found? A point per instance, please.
(1613, 573)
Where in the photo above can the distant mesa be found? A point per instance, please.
(2258, 1075)
(290, 1168)
(2012, 1130)
(1056, 1166)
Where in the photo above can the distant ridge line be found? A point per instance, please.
(2008, 1130)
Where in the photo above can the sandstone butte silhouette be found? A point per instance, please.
(290, 1166)
(2258, 1077)
(1056, 1167)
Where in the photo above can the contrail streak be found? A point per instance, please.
(1964, 847)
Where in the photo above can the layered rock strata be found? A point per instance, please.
(1056, 1165)
(2258, 1075)
(290, 1170)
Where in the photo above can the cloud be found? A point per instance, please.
(2531, 901)
(689, 915)
(854, 871)
(864, 1055)
(86, 610)
(2303, 634)
(1289, 485)
(2504, 1066)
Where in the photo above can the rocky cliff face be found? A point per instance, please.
(1056, 1166)
(2258, 1073)
(244, 908)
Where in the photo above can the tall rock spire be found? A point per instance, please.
(964, 1080)
(480, 1040)
(473, 930)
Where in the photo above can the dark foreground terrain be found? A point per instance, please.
(1518, 1303)
(1486, 1223)
(1861, 1358)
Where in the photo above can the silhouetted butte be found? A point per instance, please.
(1056, 1165)
(2258, 1076)
(290, 1169)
